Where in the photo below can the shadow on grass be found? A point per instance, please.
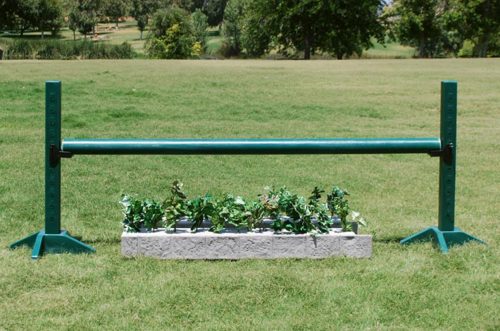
(104, 241)
(388, 239)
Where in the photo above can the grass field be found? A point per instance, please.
(412, 287)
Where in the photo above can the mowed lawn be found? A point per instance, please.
(414, 287)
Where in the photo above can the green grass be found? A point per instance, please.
(412, 287)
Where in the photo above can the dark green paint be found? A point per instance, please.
(251, 146)
(43, 242)
(52, 171)
(446, 234)
(447, 170)
(52, 239)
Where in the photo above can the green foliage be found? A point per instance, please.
(171, 35)
(41, 15)
(174, 207)
(338, 205)
(438, 27)
(152, 214)
(256, 212)
(199, 210)
(200, 26)
(84, 16)
(420, 24)
(139, 214)
(214, 9)
(141, 10)
(132, 214)
(116, 9)
(255, 37)
(288, 211)
(480, 23)
(233, 26)
(338, 27)
(64, 50)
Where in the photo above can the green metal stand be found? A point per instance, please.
(52, 239)
(42, 242)
(444, 239)
(446, 234)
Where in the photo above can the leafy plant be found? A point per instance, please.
(138, 214)
(356, 217)
(338, 205)
(132, 210)
(256, 212)
(199, 208)
(175, 207)
(324, 221)
(288, 211)
(152, 214)
(234, 211)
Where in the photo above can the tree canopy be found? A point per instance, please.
(338, 27)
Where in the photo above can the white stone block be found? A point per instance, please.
(233, 245)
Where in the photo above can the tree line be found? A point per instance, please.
(293, 28)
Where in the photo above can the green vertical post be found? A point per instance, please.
(52, 239)
(446, 234)
(448, 160)
(52, 166)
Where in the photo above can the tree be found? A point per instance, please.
(141, 10)
(200, 25)
(74, 20)
(49, 16)
(233, 25)
(214, 9)
(338, 27)
(255, 37)
(85, 16)
(116, 9)
(8, 10)
(420, 24)
(480, 23)
(171, 35)
(26, 15)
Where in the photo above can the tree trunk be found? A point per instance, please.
(340, 56)
(42, 34)
(74, 35)
(117, 24)
(141, 34)
(307, 48)
(481, 49)
(421, 47)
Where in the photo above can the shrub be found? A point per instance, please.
(200, 25)
(171, 35)
(64, 50)
(467, 49)
(232, 27)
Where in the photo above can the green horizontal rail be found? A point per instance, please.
(251, 146)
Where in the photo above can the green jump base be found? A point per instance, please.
(444, 239)
(42, 242)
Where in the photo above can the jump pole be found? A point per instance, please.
(53, 239)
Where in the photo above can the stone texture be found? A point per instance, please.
(265, 245)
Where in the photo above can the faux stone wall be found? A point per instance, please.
(264, 245)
